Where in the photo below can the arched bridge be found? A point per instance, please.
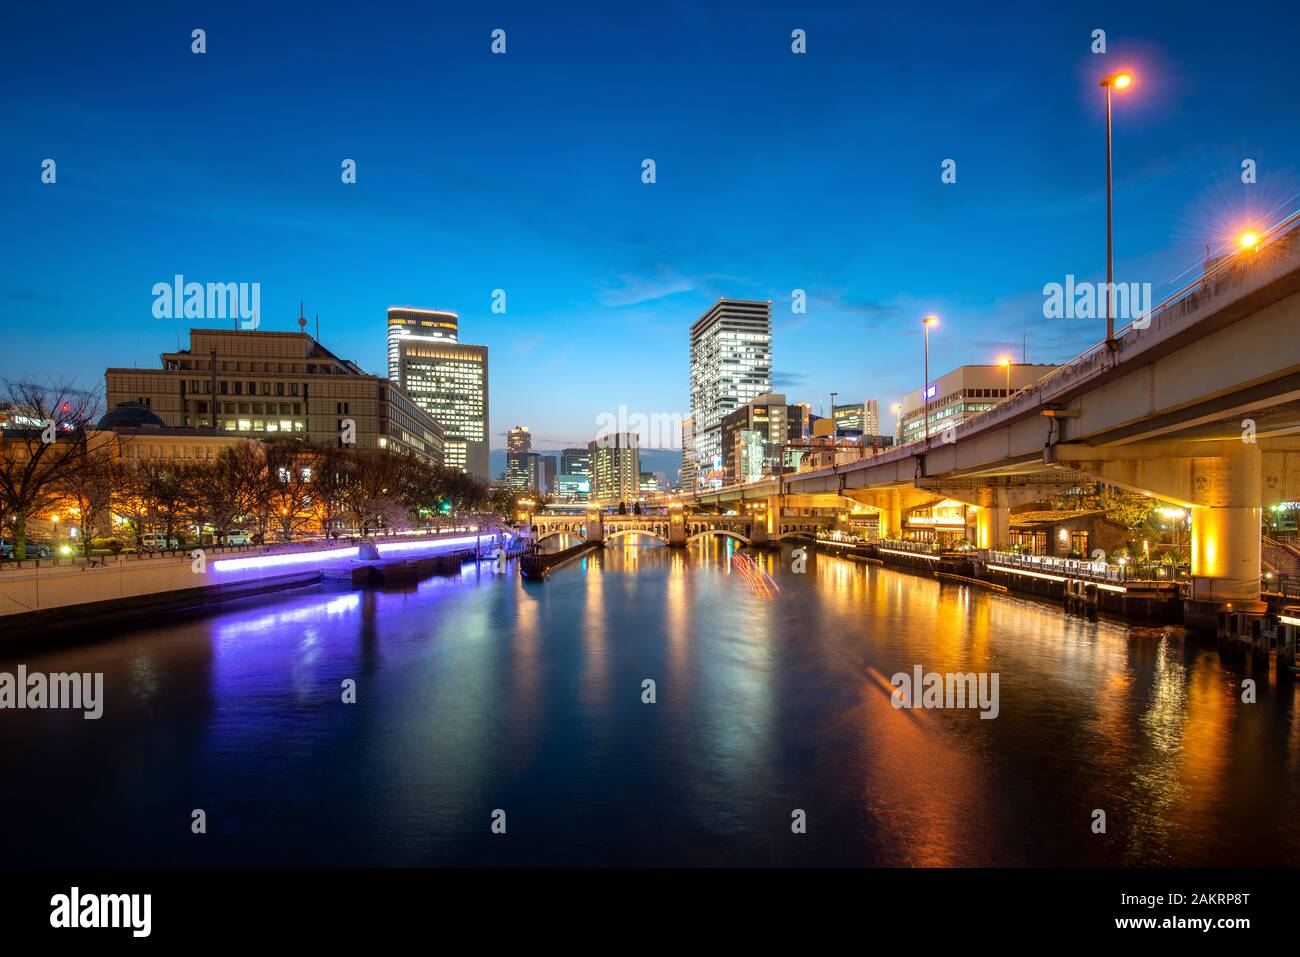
(677, 527)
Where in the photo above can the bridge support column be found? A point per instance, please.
(892, 516)
(993, 520)
(1226, 504)
(595, 527)
(676, 527)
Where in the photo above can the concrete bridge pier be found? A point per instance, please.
(676, 527)
(1226, 512)
(595, 527)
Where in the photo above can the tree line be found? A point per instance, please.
(51, 461)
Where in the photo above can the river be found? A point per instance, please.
(483, 693)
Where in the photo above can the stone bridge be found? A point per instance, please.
(676, 526)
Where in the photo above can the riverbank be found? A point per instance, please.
(69, 602)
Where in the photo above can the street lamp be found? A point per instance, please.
(1118, 81)
(927, 322)
(1005, 362)
(1249, 240)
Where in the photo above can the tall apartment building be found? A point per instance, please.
(731, 364)
(616, 467)
(447, 378)
(957, 395)
(260, 384)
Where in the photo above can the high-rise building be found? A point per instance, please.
(420, 325)
(615, 467)
(957, 395)
(731, 364)
(261, 384)
(520, 476)
(575, 462)
(446, 377)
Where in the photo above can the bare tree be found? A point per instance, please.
(291, 467)
(43, 451)
(376, 489)
(218, 492)
(92, 490)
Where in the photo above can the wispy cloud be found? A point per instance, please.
(635, 290)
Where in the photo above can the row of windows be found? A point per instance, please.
(262, 425)
(273, 368)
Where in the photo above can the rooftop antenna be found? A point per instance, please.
(1024, 345)
(302, 319)
(318, 327)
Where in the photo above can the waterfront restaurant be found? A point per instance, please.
(943, 522)
(1065, 534)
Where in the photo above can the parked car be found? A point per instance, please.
(158, 541)
(34, 549)
(238, 538)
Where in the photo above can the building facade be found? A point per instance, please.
(731, 364)
(575, 461)
(858, 418)
(756, 435)
(615, 467)
(965, 391)
(446, 378)
(258, 384)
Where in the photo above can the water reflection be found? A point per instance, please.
(482, 691)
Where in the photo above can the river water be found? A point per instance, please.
(484, 693)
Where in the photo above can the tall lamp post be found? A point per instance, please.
(1118, 81)
(1005, 362)
(927, 322)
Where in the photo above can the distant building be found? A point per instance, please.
(448, 379)
(615, 467)
(755, 435)
(648, 484)
(575, 461)
(258, 384)
(967, 390)
(543, 468)
(572, 488)
(690, 464)
(731, 364)
(859, 418)
(520, 475)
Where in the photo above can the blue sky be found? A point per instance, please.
(522, 172)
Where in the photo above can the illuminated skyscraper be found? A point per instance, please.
(446, 378)
(731, 364)
(519, 468)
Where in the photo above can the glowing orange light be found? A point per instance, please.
(1122, 81)
(1249, 240)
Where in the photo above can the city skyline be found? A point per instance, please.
(589, 250)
